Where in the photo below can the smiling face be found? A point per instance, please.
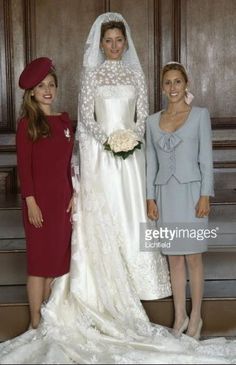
(45, 92)
(113, 43)
(174, 86)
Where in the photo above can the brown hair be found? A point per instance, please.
(174, 66)
(38, 125)
(112, 25)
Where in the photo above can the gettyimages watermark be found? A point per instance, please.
(178, 237)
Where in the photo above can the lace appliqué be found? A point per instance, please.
(111, 73)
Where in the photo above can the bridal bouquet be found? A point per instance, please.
(122, 143)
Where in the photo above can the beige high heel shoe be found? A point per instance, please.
(198, 332)
(183, 327)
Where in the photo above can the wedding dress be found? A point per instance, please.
(114, 189)
(94, 314)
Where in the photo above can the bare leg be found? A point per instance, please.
(47, 288)
(195, 268)
(178, 283)
(35, 288)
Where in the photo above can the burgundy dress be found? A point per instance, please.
(44, 171)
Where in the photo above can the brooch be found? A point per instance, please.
(67, 133)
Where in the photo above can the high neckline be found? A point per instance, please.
(114, 63)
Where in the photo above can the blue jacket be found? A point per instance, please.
(185, 153)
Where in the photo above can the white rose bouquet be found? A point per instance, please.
(123, 143)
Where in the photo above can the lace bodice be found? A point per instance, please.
(111, 73)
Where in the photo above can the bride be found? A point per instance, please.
(94, 314)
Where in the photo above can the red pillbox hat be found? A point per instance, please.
(35, 72)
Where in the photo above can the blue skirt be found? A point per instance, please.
(176, 204)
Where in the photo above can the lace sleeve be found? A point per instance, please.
(142, 105)
(86, 107)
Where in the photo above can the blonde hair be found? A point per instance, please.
(38, 125)
(174, 66)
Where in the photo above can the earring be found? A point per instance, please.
(102, 50)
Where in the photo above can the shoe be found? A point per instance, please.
(183, 327)
(198, 332)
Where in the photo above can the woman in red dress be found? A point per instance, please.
(44, 142)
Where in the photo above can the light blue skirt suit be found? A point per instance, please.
(179, 171)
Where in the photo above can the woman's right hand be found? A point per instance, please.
(152, 210)
(34, 212)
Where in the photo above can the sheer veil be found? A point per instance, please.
(93, 58)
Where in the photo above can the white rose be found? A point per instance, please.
(123, 140)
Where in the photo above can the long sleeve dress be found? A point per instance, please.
(114, 97)
(44, 172)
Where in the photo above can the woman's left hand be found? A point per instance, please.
(203, 207)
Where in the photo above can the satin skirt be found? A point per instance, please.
(111, 206)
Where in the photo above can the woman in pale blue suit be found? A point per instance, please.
(179, 183)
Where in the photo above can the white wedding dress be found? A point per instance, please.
(94, 314)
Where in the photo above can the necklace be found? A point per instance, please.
(173, 114)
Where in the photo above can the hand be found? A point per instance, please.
(70, 207)
(152, 210)
(34, 212)
(203, 207)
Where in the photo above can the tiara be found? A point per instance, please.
(112, 17)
